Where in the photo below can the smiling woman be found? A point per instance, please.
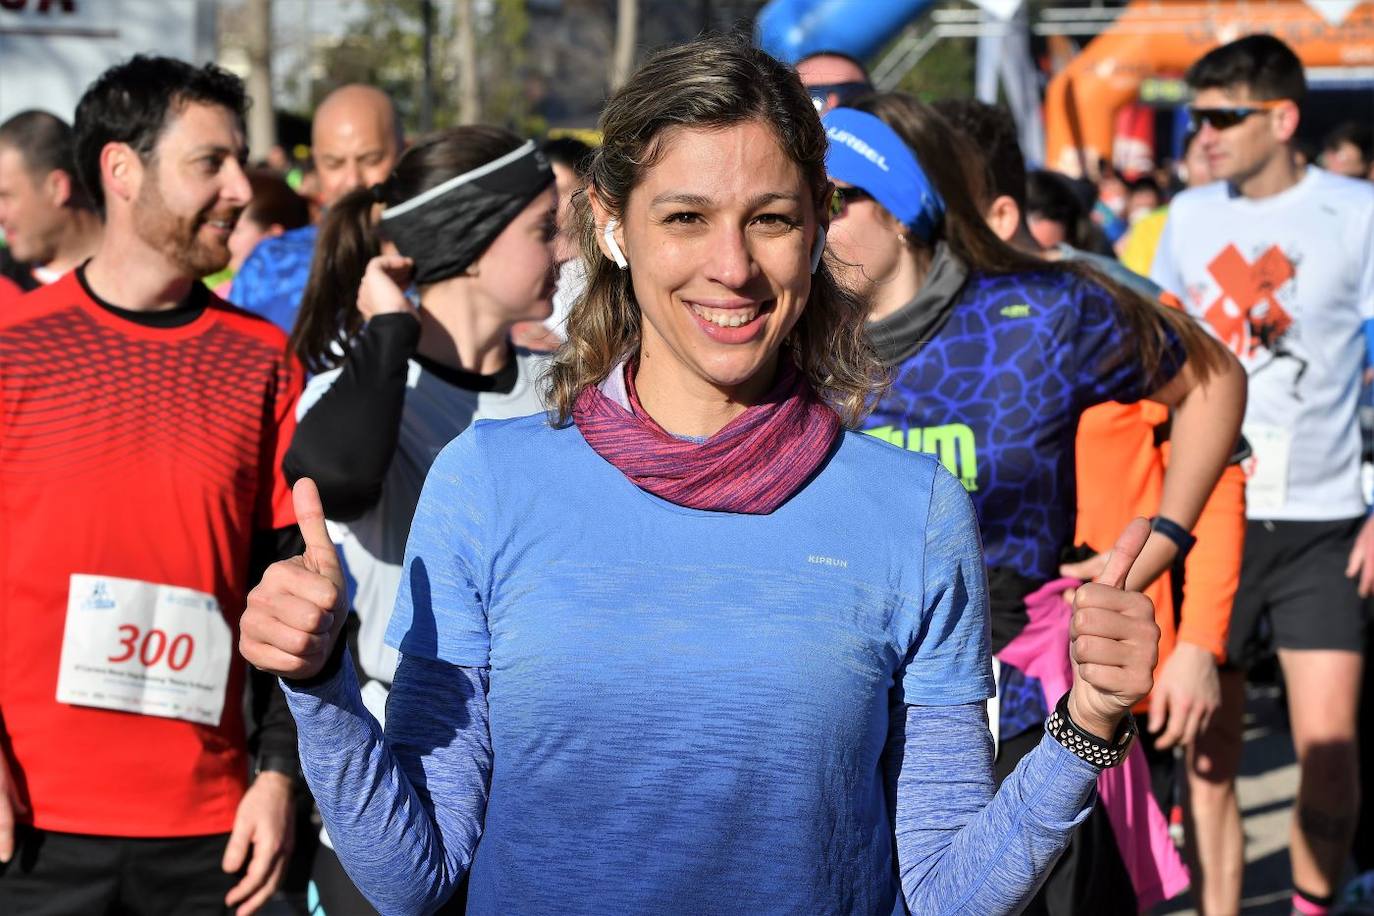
(718, 191)
(714, 669)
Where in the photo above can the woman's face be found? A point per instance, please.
(866, 241)
(515, 276)
(718, 235)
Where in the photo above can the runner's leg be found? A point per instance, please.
(1216, 842)
(1323, 699)
(1318, 620)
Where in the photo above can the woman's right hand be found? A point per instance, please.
(295, 613)
(382, 291)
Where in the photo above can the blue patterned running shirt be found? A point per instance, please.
(996, 395)
(272, 279)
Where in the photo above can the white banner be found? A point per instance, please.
(51, 50)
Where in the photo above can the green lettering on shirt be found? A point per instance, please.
(953, 444)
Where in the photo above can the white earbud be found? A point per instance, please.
(818, 249)
(609, 235)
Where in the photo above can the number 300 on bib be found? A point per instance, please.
(140, 647)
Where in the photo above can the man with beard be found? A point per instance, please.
(355, 140)
(140, 451)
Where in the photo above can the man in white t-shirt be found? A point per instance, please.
(1278, 259)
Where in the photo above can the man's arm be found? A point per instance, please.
(265, 821)
(11, 806)
(271, 730)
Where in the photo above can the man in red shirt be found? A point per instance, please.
(142, 426)
(46, 216)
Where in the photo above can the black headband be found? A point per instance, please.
(448, 227)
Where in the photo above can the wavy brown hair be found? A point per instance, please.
(956, 170)
(707, 84)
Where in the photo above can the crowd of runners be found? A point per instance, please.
(859, 520)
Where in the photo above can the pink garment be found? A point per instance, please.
(754, 465)
(1041, 650)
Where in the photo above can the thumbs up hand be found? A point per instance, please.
(296, 612)
(1113, 639)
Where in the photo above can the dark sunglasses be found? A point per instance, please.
(843, 92)
(843, 197)
(1222, 118)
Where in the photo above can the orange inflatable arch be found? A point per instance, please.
(1161, 37)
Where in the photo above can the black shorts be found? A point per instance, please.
(69, 874)
(1294, 593)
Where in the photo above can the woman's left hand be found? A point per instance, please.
(1113, 640)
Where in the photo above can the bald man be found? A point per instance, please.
(356, 139)
(833, 78)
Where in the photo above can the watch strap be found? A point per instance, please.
(1183, 538)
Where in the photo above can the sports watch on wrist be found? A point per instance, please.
(1085, 744)
(1183, 538)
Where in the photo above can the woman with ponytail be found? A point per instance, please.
(995, 354)
(716, 670)
(467, 218)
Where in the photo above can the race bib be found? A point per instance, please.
(1266, 470)
(155, 650)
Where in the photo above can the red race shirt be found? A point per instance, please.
(9, 291)
(136, 463)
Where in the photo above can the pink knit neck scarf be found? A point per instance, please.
(753, 465)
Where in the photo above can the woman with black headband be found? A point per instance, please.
(469, 213)
(714, 670)
(995, 354)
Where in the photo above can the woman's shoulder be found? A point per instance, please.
(875, 466)
(906, 493)
(508, 444)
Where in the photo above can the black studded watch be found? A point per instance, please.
(1086, 745)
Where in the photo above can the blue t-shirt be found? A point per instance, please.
(272, 278)
(997, 394)
(675, 693)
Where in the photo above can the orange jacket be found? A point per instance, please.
(1121, 476)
